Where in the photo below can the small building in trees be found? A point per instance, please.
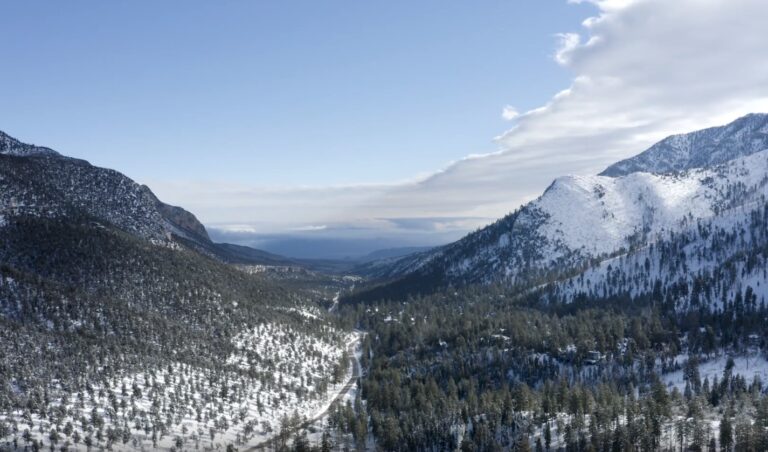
(593, 357)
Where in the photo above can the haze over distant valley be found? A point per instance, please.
(353, 165)
(287, 226)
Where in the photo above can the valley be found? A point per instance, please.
(384, 226)
(317, 418)
(622, 311)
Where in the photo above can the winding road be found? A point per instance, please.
(356, 373)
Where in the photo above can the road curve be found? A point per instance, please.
(356, 373)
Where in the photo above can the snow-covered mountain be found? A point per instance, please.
(38, 181)
(12, 146)
(713, 256)
(700, 149)
(103, 288)
(580, 220)
(52, 186)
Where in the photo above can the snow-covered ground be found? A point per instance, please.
(583, 217)
(748, 366)
(277, 373)
(316, 428)
(704, 253)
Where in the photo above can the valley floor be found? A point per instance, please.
(180, 407)
(317, 421)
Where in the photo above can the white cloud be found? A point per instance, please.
(240, 228)
(509, 113)
(568, 43)
(642, 69)
(310, 228)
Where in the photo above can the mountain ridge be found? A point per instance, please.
(702, 148)
(578, 219)
(104, 287)
(72, 185)
(12, 146)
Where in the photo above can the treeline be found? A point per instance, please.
(482, 369)
(84, 304)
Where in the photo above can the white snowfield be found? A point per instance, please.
(669, 187)
(699, 204)
(599, 214)
(749, 366)
(285, 373)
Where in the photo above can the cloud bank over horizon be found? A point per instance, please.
(642, 70)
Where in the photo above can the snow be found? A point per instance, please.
(284, 368)
(579, 218)
(749, 366)
(702, 148)
(349, 396)
(597, 213)
(721, 200)
(304, 312)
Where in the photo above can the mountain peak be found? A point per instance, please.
(12, 146)
(744, 136)
(678, 182)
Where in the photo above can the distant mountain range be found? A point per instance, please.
(392, 253)
(680, 183)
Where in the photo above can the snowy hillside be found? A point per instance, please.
(709, 263)
(12, 146)
(711, 260)
(701, 149)
(122, 326)
(601, 215)
(276, 371)
(579, 219)
(39, 182)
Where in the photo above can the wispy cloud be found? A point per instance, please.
(310, 228)
(509, 113)
(642, 69)
(568, 42)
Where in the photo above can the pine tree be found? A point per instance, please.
(326, 445)
(523, 445)
(726, 432)
(301, 443)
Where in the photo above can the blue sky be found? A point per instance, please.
(275, 93)
(352, 126)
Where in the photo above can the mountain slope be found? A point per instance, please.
(700, 149)
(712, 262)
(53, 186)
(580, 219)
(12, 146)
(104, 288)
(38, 181)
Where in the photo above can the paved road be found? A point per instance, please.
(270, 443)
